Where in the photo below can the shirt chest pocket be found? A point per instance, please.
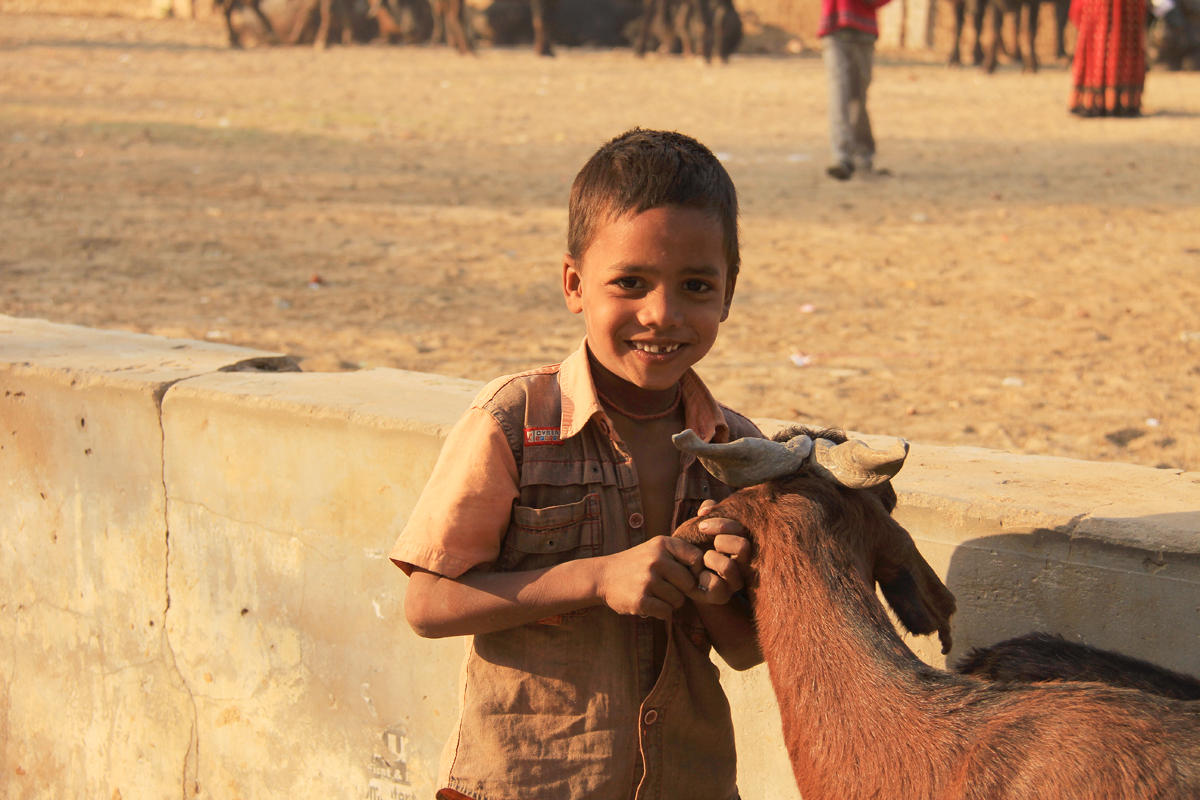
(542, 537)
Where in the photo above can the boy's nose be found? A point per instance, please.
(659, 309)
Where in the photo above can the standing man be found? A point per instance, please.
(849, 30)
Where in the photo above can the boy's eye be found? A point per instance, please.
(697, 285)
(628, 282)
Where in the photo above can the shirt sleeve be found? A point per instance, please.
(463, 512)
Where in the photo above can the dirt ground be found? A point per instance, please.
(1025, 280)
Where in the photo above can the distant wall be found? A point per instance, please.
(196, 601)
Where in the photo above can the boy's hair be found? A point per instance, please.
(644, 169)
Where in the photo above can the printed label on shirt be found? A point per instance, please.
(536, 436)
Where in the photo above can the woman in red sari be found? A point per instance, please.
(1110, 57)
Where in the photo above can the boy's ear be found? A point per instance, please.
(572, 284)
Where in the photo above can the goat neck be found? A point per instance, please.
(841, 674)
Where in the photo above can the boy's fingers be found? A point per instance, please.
(685, 553)
(670, 594)
(723, 567)
(721, 526)
(711, 589)
(678, 575)
(705, 507)
(735, 546)
(653, 607)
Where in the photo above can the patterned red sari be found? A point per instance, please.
(1110, 57)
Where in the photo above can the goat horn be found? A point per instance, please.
(747, 461)
(856, 465)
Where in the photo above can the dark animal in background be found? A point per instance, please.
(690, 27)
(1175, 35)
(658, 24)
(1048, 657)
(403, 21)
(592, 23)
(862, 716)
(542, 11)
(727, 29)
(1011, 9)
(694, 28)
(295, 21)
(327, 11)
(449, 24)
(1062, 13)
(227, 7)
(510, 21)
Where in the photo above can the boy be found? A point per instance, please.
(544, 529)
(848, 30)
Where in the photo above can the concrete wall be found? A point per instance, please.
(196, 603)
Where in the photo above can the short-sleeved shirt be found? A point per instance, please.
(574, 706)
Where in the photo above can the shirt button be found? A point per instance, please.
(636, 520)
(651, 717)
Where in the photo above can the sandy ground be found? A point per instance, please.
(1025, 281)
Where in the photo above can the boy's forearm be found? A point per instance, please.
(483, 602)
(731, 628)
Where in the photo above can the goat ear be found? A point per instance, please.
(916, 594)
(689, 531)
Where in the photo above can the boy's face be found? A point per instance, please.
(653, 288)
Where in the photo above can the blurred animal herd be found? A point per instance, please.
(711, 29)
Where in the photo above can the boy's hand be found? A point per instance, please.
(652, 579)
(726, 568)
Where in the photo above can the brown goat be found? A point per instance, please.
(1047, 657)
(863, 717)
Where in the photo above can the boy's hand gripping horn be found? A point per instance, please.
(749, 461)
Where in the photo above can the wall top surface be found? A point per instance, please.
(120, 355)
(391, 398)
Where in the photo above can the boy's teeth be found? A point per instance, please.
(656, 348)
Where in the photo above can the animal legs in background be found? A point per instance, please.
(1012, 8)
(978, 7)
(542, 11)
(448, 16)
(323, 11)
(227, 7)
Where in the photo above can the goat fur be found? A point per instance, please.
(865, 719)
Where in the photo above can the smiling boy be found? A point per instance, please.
(544, 530)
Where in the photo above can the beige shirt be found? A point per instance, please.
(575, 706)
